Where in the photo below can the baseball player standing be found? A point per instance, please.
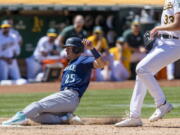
(75, 80)
(8, 63)
(166, 51)
(17, 36)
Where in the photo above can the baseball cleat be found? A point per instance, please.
(18, 119)
(160, 112)
(75, 120)
(129, 122)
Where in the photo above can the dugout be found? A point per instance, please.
(32, 18)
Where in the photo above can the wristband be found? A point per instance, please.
(95, 53)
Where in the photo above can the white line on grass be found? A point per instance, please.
(175, 105)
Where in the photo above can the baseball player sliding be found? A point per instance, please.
(58, 108)
(166, 50)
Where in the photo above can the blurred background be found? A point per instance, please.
(33, 33)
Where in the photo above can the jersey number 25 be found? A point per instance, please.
(70, 78)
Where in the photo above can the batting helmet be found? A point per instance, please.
(76, 43)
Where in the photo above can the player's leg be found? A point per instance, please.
(149, 66)
(156, 60)
(49, 118)
(61, 102)
(106, 74)
(33, 67)
(4, 70)
(64, 118)
(170, 71)
(137, 99)
(64, 101)
(14, 70)
(136, 103)
(99, 75)
(119, 72)
(140, 87)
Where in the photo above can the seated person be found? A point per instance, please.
(45, 47)
(134, 40)
(120, 68)
(98, 40)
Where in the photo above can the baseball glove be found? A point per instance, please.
(148, 42)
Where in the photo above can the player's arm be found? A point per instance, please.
(175, 26)
(99, 62)
(41, 48)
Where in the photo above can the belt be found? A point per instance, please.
(70, 89)
(167, 36)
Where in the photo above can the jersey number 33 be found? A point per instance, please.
(168, 19)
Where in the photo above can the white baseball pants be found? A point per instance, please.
(11, 70)
(33, 67)
(166, 51)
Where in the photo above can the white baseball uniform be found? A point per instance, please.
(18, 38)
(34, 62)
(165, 52)
(7, 50)
(16, 35)
(115, 71)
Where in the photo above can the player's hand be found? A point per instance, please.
(153, 32)
(8, 60)
(87, 44)
(142, 49)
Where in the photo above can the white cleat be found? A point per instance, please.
(129, 122)
(160, 112)
(75, 120)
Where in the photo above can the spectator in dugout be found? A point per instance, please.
(16, 35)
(45, 48)
(75, 30)
(114, 70)
(134, 40)
(98, 40)
(120, 53)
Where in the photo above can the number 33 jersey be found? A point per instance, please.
(77, 74)
(171, 7)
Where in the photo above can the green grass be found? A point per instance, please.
(100, 103)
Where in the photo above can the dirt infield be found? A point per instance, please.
(53, 87)
(163, 127)
(92, 126)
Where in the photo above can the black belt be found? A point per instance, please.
(166, 36)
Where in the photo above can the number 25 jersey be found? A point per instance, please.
(76, 75)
